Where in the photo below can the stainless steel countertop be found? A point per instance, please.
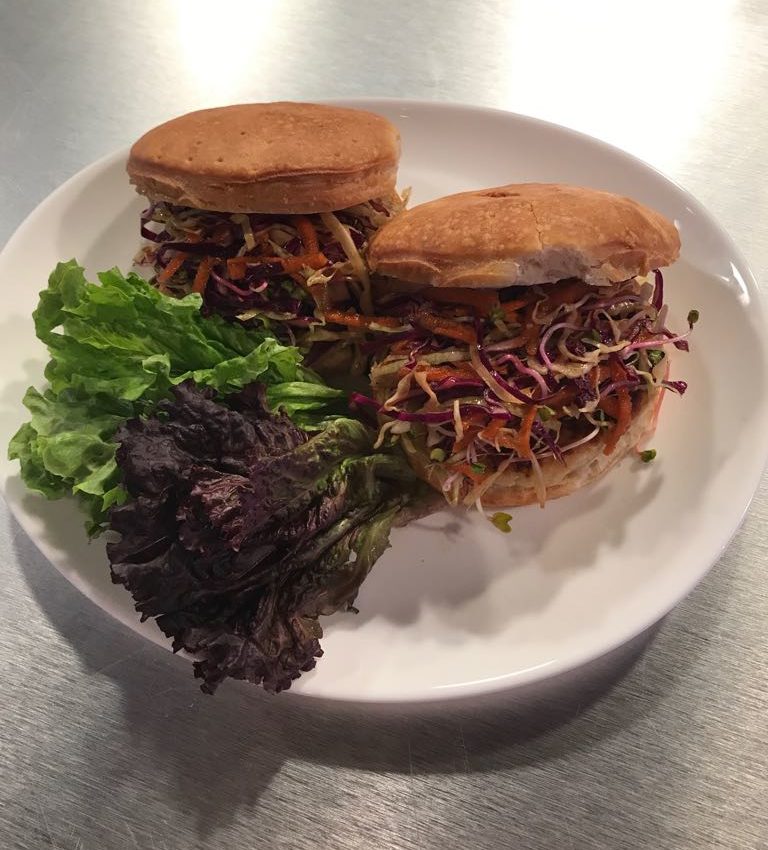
(105, 741)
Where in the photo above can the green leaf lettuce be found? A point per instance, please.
(116, 349)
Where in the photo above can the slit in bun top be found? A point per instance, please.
(523, 341)
(266, 210)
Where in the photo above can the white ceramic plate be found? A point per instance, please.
(454, 607)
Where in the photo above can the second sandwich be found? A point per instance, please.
(266, 210)
(527, 343)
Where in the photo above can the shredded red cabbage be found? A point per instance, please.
(524, 370)
(496, 375)
(545, 435)
(676, 386)
(658, 293)
(431, 418)
(152, 236)
(546, 338)
(630, 383)
(513, 360)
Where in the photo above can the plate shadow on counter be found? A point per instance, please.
(217, 756)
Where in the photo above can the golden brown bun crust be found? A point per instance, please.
(585, 465)
(268, 157)
(524, 234)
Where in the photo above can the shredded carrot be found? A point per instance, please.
(307, 234)
(610, 405)
(441, 373)
(236, 268)
(481, 300)
(567, 290)
(295, 264)
(202, 274)
(447, 328)
(523, 441)
(510, 310)
(470, 432)
(562, 397)
(466, 470)
(491, 431)
(173, 266)
(615, 369)
(355, 320)
(623, 408)
(515, 305)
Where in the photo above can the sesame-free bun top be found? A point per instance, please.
(268, 157)
(524, 234)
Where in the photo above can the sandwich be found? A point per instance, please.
(526, 349)
(266, 210)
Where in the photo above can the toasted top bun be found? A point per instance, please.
(524, 234)
(268, 157)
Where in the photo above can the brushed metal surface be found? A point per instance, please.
(106, 743)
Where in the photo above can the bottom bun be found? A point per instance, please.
(583, 465)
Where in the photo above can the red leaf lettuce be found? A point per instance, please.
(241, 529)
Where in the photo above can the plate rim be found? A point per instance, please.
(575, 658)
